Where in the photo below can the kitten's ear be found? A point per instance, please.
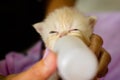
(38, 27)
(92, 21)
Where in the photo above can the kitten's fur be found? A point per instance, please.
(64, 21)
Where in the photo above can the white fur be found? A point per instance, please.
(63, 20)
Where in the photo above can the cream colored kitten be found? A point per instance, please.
(65, 21)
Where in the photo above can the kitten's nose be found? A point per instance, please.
(63, 34)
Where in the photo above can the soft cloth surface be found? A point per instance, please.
(108, 26)
(16, 62)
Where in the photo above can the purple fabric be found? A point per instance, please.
(108, 26)
(16, 62)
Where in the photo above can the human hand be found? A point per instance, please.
(103, 56)
(42, 70)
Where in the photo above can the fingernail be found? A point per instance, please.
(46, 53)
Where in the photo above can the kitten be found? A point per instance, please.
(65, 21)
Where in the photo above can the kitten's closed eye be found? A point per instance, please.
(74, 30)
(52, 32)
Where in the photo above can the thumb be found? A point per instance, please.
(42, 69)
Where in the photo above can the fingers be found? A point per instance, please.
(102, 55)
(41, 70)
(96, 44)
(103, 64)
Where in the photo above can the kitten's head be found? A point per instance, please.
(64, 21)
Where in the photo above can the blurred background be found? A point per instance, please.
(16, 19)
(97, 6)
(18, 16)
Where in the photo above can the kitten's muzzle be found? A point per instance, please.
(63, 34)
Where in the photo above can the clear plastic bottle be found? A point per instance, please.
(75, 60)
